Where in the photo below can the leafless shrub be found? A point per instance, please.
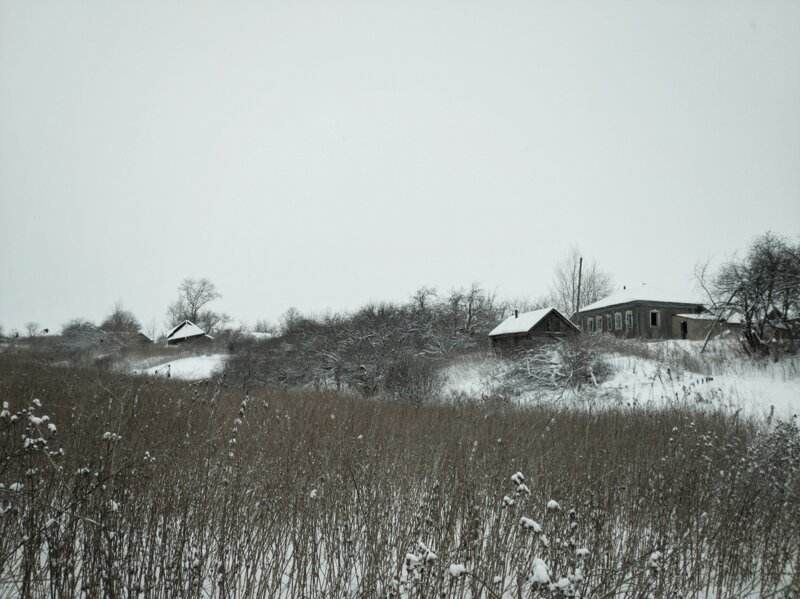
(121, 320)
(414, 378)
(560, 366)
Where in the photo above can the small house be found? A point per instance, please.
(645, 313)
(526, 330)
(187, 331)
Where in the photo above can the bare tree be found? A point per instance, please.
(209, 320)
(474, 306)
(763, 288)
(152, 329)
(196, 293)
(193, 296)
(32, 328)
(423, 298)
(290, 319)
(120, 320)
(595, 283)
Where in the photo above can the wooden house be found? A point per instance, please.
(187, 332)
(645, 313)
(526, 330)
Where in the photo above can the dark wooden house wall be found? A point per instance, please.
(642, 327)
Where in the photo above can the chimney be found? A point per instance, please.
(624, 287)
(516, 313)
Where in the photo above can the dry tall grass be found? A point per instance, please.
(115, 486)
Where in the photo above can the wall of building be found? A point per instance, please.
(641, 325)
(697, 329)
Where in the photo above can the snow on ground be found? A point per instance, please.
(471, 376)
(192, 368)
(669, 373)
(638, 381)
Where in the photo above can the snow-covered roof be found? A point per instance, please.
(732, 319)
(184, 330)
(702, 316)
(643, 293)
(524, 322)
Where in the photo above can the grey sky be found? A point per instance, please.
(324, 154)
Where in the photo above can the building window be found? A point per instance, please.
(590, 325)
(617, 321)
(654, 318)
(608, 322)
(628, 319)
(598, 321)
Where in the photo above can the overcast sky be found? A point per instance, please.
(325, 154)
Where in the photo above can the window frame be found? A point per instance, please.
(617, 321)
(629, 319)
(658, 319)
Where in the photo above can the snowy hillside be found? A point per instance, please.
(662, 372)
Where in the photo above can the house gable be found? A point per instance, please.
(186, 330)
(529, 329)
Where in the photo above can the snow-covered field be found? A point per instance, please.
(674, 372)
(754, 391)
(192, 368)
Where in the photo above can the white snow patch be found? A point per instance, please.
(530, 524)
(193, 368)
(457, 570)
(540, 574)
(755, 388)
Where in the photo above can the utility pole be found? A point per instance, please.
(580, 272)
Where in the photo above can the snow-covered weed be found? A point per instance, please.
(148, 487)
